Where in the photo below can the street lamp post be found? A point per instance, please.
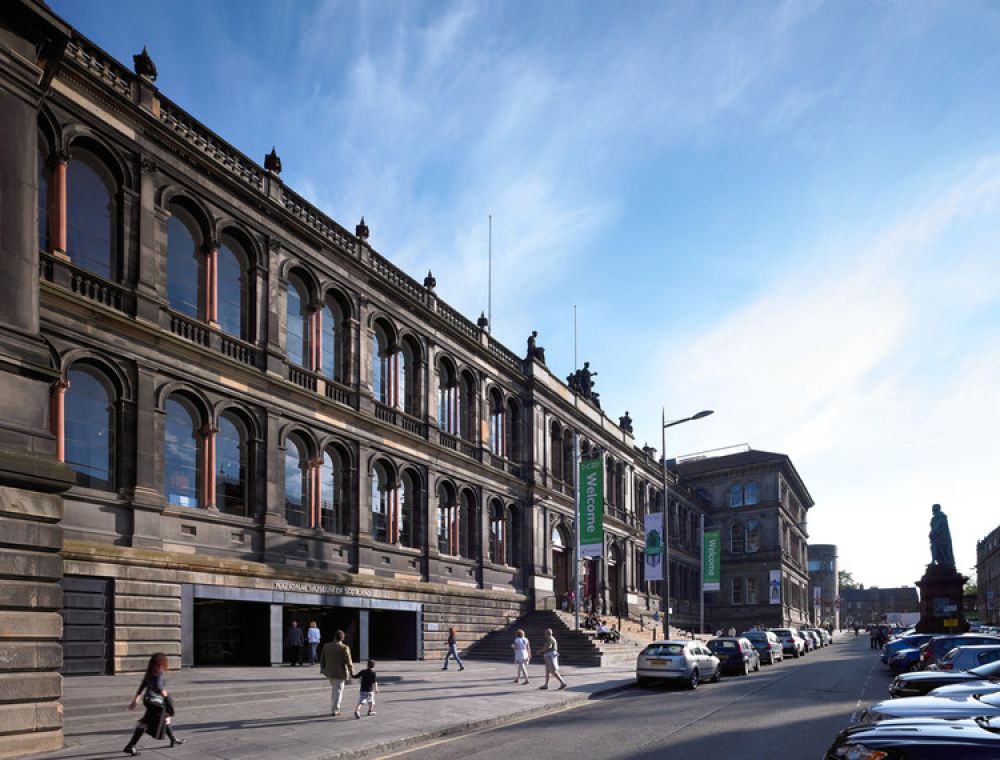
(665, 585)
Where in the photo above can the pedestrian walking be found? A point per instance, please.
(369, 688)
(522, 656)
(313, 638)
(872, 637)
(159, 707)
(294, 641)
(452, 650)
(335, 663)
(550, 655)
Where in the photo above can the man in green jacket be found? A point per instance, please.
(335, 663)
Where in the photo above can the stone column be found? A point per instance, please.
(30, 475)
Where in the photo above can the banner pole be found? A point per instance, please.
(576, 501)
(701, 615)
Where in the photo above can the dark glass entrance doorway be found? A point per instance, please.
(231, 633)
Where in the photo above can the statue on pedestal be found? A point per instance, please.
(940, 536)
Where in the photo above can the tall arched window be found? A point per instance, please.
(468, 409)
(736, 495)
(513, 543)
(88, 428)
(569, 476)
(296, 483)
(182, 449)
(448, 398)
(447, 520)
(467, 525)
(90, 214)
(231, 465)
(737, 538)
(409, 377)
(751, 494)
(384, 496)
(296, 322)
(334, 493)
(232, 288)
(512, 430)
(753, 536)
(409, 509)
(334, 339)
(498, 424)
(185, 264)
(498, 533)
(555, 451)
(385, 367)
(43, 199)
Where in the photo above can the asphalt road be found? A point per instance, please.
(789, 710)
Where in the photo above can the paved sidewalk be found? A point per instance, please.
(288, 717)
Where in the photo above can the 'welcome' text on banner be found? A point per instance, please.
(591, 508)
(712, 568)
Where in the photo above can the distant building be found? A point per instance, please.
(758, 503)
(872, 605)
(823, 584)
(988, 577)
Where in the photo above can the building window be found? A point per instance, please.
(513, 537)
(296, 483)
(447, 520)
(408, 533)
(231, 466)
(737, 538)
(468, 424)
(185, 264)
(334, 332)
(88, 429)
(43, 201)
(90, 215)
(753, 536)
(232, 288)
(735, 495)
(333, 493)
(498, 534)
(467, 526)
(384, 504)
(751, 494)
(296, 322)
(751, 591)
(738, 589)
(183, 447)
(448, 399)
(385, 368)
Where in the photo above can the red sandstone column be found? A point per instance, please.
(57, 417)
(57, 207)
(212, 285)
(208, 458)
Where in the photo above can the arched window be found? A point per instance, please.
(513, 542)
(467, 412)
(609, 482)
(185, 265)
(513, 431)
(385, 505)
(89, 428)
(751, 494)
(385, 367)
(231, 264)
(296, 483)
(558, 539)
(90, 214)
(555, 451)
(409, 377)
(467, 525)
(296, 322)
(498, 424)
(737, 538)
(334, 331)
(231, 465)
(498, 533)
(736, 495)
(753, 536)
(569, 476)
(333, 493)
(447, 522)
(449, 408)
(182, 449)
(43, 199)
(409, 510)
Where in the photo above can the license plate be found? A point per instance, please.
(722, 656)
(658, 662)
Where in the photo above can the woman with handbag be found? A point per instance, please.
(159, 707)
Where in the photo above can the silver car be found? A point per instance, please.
(964, 658)
(685, 661)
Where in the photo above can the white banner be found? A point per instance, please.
(774, 587)
(653, 527)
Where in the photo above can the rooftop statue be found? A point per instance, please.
(940, 535)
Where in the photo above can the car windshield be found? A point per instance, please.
(993, 700)
(991, 671)
(755, 636)
(664, 650)
(716, 645)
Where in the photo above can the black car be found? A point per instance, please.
(919, 739)
(933, 650)
(736, 654)
(919, 684)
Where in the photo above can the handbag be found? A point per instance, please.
(153, 699)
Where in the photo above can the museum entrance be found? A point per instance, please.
(562, 578)
(328, 620)
(231, 633)
(615, 584)
(392, 635)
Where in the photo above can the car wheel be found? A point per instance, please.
(914, 667)
(746, 668)
(718, 675)
(756, 667)
(693, 683)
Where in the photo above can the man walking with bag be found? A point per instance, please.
(550, 654)
(335, 663)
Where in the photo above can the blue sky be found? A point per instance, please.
(786, 212)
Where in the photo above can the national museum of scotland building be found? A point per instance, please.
(222, 411)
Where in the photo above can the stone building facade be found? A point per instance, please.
(759, 504)
(824, 586)
(988, 578)
(871, 605)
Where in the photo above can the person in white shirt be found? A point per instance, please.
(313, 638)
(522, 656)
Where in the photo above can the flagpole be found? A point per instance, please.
(489, 293)
(576, 494)
(701, 615)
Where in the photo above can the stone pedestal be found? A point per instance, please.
(941, 608)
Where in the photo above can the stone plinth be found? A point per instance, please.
(941, 608)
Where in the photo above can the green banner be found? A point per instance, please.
(711, 561)
(591, 507)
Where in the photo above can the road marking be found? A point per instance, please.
(857, 705)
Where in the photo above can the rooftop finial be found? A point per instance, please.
(361, 230)
(429, 282)
(271, 161)
(483, 322)
(144, 65)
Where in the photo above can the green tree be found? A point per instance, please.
(845, 579)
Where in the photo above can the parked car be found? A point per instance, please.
(768, 646)
(933, 650)
(918, 684)
(825, 635)
(685, 661)
(807, 642)
(974, 706)
(918, 739)
(966, 689)
(904, 642)
(963, 658)
(817, 641)
(736, 654)
(905, 660)
(790, 642)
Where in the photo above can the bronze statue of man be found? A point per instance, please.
(941, 553)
